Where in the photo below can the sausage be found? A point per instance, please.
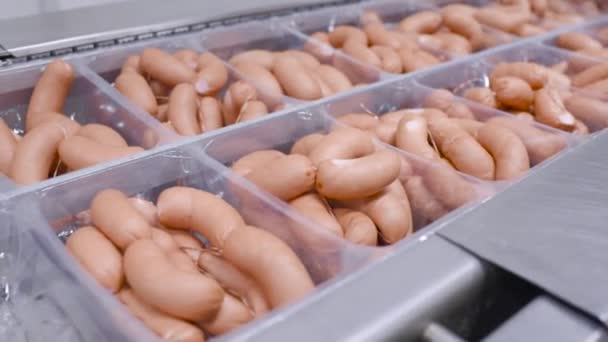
(132, 63)
(390, 59)
(444, 100)
(369, 16)
(590, 75)
(379, 35)
(286, 177)
(114, 214)
(212, 74)
(318, 46)
(389, 213)
(307, 60)
(252, 110)
(270, 262)
(513, 92)
(50, 92)
(210, 114)
(183, 109)
(412, 136)
(78, 152)
(294, 78)
(232, 314)
(255, 160)
(343, 143)
(334, 78)
(600, 87)
(536, 75)
(8, 145)
(421, 22)
(550, 110)
(540, 145)
(98, 256)
(358, 227)
(362, 121)
(102, 134)
(361, 53)
(465, 26)
(417, 59)
(147, 210)
(263, 58)
(165, 68)
(592, 112)
(386, 132)
(134, 87)
(343, 33)
(230, 277)
(35, 153)
(461, 148)
(529, 30)
(504, 18)
(165, 326)
(447, 186)
(577, 41)
(306, 144)
(470, 126)
(237, 94)
(188, 208)
(454, 44)
(314, 207)
(188, 57)
(422, 200)
(160, 90)
(580, 128)
(482, 95)
(507, 149)
(150, 272)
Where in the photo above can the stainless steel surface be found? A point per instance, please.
(545, 319)
(438, 333)
(550, 228)
(393, 300)
(64, 29)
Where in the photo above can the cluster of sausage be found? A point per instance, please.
(308, 74)
(592, 45)
(181, 289)
(355, 187)
(547, 95)
(532, 17)
(182, 90)
(53, 143)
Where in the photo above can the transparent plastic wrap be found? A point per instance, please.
(553, 71)
(220, 79)
(233, 44)
(63, 207)
(433, 190)
(88, 101)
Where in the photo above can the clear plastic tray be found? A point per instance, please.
(277, 36)
(108, 62)
(325, 256)
(44, 281)
(230, 146)
(391, 13)
(459, 76)
(408, 94)
(90, 100)
(591, 29)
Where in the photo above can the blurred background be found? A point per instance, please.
(23, 8)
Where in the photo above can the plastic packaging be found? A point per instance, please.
(89, 101)
(459, 76)
(40, 280)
